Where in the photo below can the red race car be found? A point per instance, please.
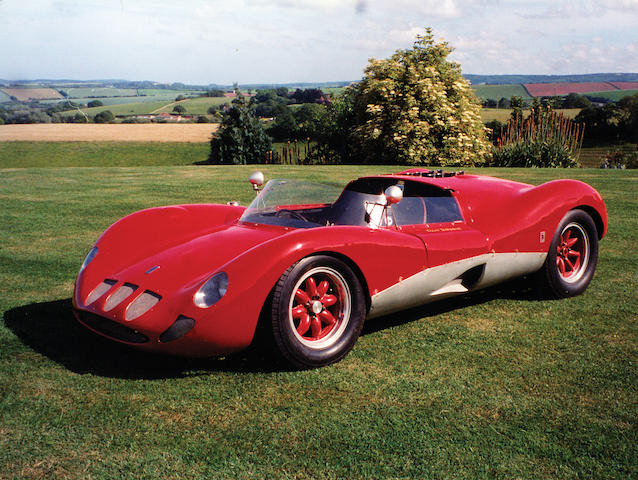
(314, 261)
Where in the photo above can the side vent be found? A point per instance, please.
(463, 283)
(472, 276)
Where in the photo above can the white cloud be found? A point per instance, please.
(304, 40)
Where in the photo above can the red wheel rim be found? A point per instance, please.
(572, 253)
(319, 308)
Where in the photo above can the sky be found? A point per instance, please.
(286, 41)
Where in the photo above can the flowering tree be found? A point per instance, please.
(416, 108)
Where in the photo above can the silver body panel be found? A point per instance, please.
(445, 280)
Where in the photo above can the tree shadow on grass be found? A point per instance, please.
(51, 329)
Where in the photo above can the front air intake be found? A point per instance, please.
(180, 327)
(111, 329)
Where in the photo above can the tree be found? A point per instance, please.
(574, 100)
(104, 117)
(628, 122)
(179, 98)
(517, 104)
(285, 126)
(179, 109)
(310, 117)
(95, 103)
(416, 108)
(241, 139)
(504, 103)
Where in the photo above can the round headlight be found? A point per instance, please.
(90, 256)
(212, 291)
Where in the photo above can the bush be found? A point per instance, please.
(95, 103)
(544, 139)
(620, 159)
(104, 117)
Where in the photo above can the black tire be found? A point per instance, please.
(572, 256)
(320, 325)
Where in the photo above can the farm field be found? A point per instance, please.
(499, 384)
(81, 132)
(97, 92)
(552, 89)
(26, 94)
(97, 154)
(196, 106)
(131, 108)
(105, 92)
(625, 85)
(613, 95)
(497, 92)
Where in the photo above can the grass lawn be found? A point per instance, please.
(498, 384)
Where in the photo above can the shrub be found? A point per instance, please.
(104, 117)
(620, 159)
(544, 139)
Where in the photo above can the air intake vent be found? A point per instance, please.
(180, 327)
(100, 290)
(141, 305)
(111, 329)
(119, 296)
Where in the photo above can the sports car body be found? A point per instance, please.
(314, 261)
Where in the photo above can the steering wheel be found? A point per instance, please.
(291, 213)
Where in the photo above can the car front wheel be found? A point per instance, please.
(318, 311)
(573, 253)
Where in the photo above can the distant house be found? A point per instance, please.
(165, 117)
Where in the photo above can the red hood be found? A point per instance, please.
(178, 241)
(190, 263)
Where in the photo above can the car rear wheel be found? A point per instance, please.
(317, 312)
(573, 254)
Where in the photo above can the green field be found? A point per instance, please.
(82, 92)
(496, 92)
(138, 108)
(498, 384)
(198, 106)
(613, 95)
(145, 106)
(96, 92)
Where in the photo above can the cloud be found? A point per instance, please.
(204, 41)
